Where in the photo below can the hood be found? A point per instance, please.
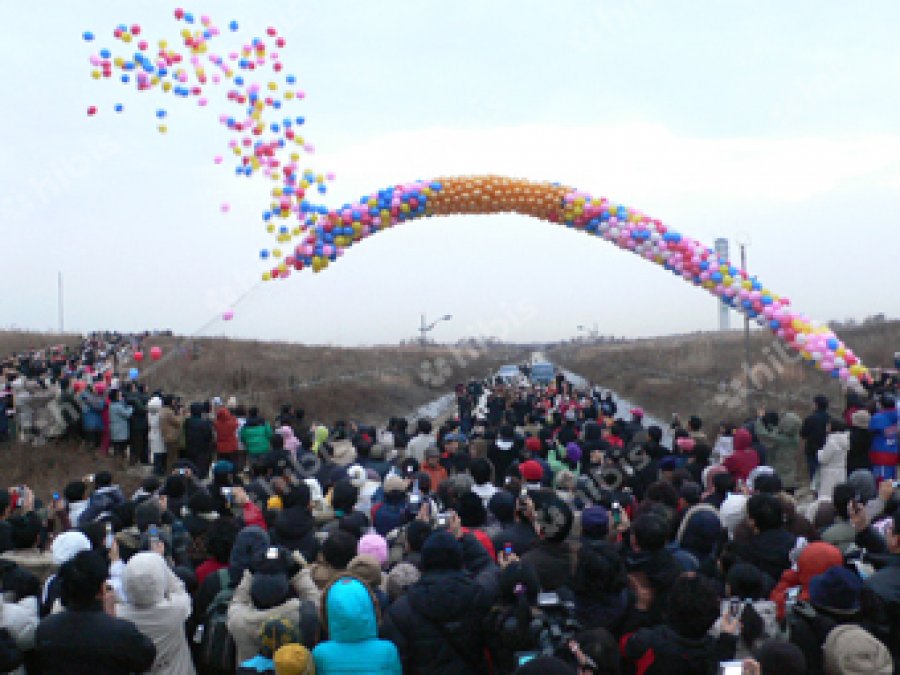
(349, 611)
(815, 559)
(250, 541)
(742, 440)
(789, 424)
(223, 415)
(155, 404)
(443, 596)
(700, 530)
(841, 439)
(145, 579)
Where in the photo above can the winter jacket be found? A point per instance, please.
(90, 642)
(833, 463)
(245, 620)
(198, 435)
(159, 606)
(769, 551)
(521, 535)
(154, 417)
(553, 564)
(783, 444)
(295, 530)
(20, 620)
(256, 435)
(814, 432)
(226, 432)
(437, 624)
(662, 651)
(884, 443)
(349, 613)
(389, 515)
(815, 559)
(92, 407)
(744, 458)
(119, 413)
(860, 444)
(171, 425)
(101, 501)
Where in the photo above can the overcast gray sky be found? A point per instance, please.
(777, 121)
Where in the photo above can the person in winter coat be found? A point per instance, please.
(295, 527)
(199, 440)
(226, 428)
(92, 407)
(815, 559)
(119, 414)
(437, 624)
(138, 424)
(20, 620)
(682, 644)
(103, 499)
(155, 436)
(744, 458)
(701, 534)
(771, 544)
(350, 616)
(814, 433)
(266, 594)
(256, 435)
(509, 628)
(159, 606)
(833, 459)
(291, 442)
(600, 585)
(84, 639)
(783, 443)
(884, 440)
(171, 425)
(860, 442)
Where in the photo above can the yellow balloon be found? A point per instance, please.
(266, 276)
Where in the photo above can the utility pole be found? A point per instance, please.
(748, 365)
(425, 328)
(59, 298)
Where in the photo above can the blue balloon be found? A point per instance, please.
(264, 254)
(119, 107)
(133, 373)
(233, 26)
(832, 344)
(160, 113)
(88, 36)
(105, 53)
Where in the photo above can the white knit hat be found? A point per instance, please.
(67, 545)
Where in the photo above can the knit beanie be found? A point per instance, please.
(294, 659)
(374, 545)
(400, 578)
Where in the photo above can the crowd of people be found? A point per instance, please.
(538, 530)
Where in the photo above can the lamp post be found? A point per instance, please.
(425, 328)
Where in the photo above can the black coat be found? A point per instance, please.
(663, 652)
(437, 624)
(553, 564)
(769, 551)
(199, 439)
(858, 456)
(295, 529)
(814, 431)
(89, 642)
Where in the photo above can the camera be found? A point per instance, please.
(443, 519)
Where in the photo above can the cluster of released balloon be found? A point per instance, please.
(134, 373)
(265, 137)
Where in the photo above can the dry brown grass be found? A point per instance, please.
(12, 341)
(682, 374)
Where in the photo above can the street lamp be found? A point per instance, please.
(425, 328)
(744, 241)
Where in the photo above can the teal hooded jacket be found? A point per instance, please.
(353, 645)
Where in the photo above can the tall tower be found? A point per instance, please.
(722, 250)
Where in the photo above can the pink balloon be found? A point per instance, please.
(227, 315)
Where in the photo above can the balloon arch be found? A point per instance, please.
(267, 139)
(329, 234)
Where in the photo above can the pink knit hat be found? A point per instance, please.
(374, 545)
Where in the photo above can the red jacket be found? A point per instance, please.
(744, 459)
(226, 432)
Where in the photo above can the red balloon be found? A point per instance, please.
(139, 356)
(155, 353)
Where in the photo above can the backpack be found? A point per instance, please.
(217, 649)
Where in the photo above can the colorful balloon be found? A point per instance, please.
(138, 356)
(155, 353)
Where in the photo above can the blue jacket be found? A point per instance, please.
(884, 437)
(353, 645)
(119, 413)
(92, 411)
